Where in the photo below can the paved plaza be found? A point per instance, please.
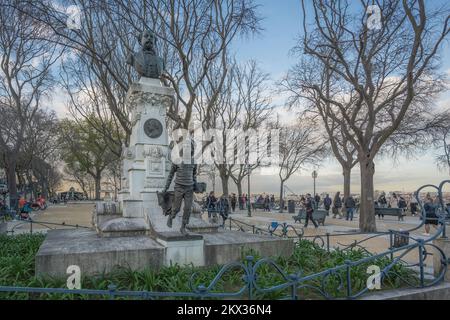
(340, 230)
(80, 213)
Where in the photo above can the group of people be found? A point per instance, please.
(219, 206)
(267, 202)
(338, 205)
(26, 207)
(396, 201)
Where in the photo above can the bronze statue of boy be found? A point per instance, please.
(185, 181)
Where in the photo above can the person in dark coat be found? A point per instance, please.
(382, 203)
(337, 205)
(309, 207)
(327, 203)
(316, 201)
(350, 206)
(224, 208)
(267, 203)
(430, 214)
(233, 202)
(211, 203)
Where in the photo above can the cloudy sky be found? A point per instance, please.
(271, 49)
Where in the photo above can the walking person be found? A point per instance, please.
(393, 201)
(309, 206)
(402, 204)
(211, 203)
(317, 200)
(267, 203)
(382, 202)
(327, 203)
(413, 206)
(350, 205)
(224, 208)
(337, 205)
(272, 202)
(233, 202)
(430, 214)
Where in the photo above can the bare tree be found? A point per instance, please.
(39, 153)
(73, 172)
(381, 72)
(95, 98)
(84, 149)
(25, 80)
(194, 36)
(300, 145)
(441, 140)
(297, 82)
(252, 86)
(443, 160)
(243, 104)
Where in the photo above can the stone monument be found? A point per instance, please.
(133, 232)
(145, 161)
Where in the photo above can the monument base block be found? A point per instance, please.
(182, 249)
(124, 227)
(96, 255)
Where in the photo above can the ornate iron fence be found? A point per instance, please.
(47, 226)
(332, 283)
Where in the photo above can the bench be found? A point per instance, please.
(396, 212)
(318, 215)
(258, 205)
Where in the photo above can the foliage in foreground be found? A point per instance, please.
(17, 269)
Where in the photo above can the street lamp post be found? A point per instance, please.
(249, 212)
(314, 176)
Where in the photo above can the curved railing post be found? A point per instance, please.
(444, 233)
(250, 277)
(328, 241)
(112, 291)
(421, 262)
(294, 279)
(391, 243)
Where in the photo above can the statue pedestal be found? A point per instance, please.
(182, 249)
(146, 166)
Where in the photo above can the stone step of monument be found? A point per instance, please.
(124, 227)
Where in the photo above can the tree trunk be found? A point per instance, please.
(346, 172)
(281, 196)
(224, 178)
(98, 179)
(12, 183)
(45, 189)
(239, 187)
(367, 222)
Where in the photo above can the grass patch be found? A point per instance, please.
(17, 269)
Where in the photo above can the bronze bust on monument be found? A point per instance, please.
(146, 62)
